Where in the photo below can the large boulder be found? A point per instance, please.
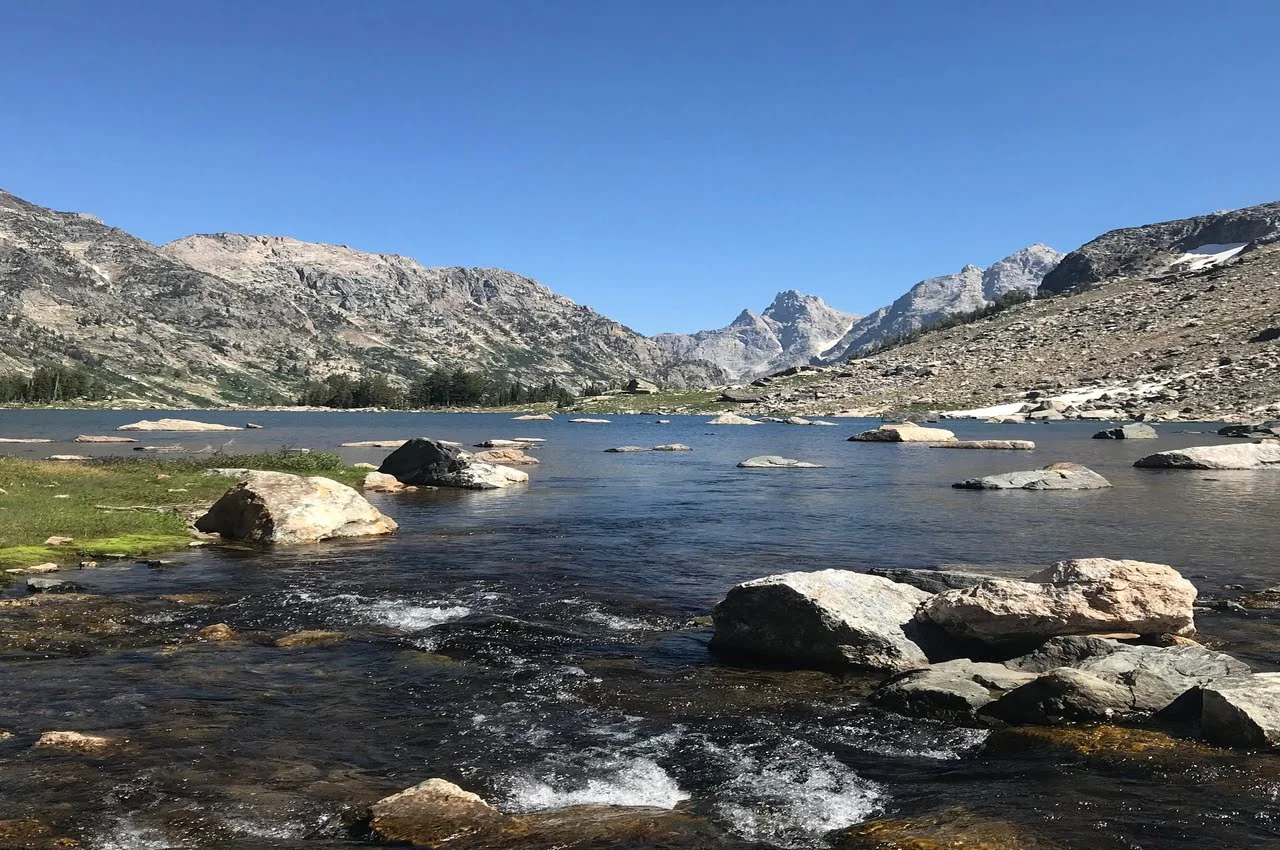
(829, 619)
(1056, 476)
(1132, 431)
(1085, 596)
(422, 462)
(1243, 712)
(1235, 456)
(954, 690)
(176, 425)
(1149, 679)
(505, 457)
(276, 507)
(906, 432)
(931, 581)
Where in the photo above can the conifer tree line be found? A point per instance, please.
(437, 388)
(49, 384)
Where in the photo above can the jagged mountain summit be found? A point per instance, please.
(969, 289)
(1186, 244)
(230, 318)
(791, 331)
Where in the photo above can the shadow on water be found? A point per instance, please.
(537, 646)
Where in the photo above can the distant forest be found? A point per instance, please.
(438, 388)
(50, 384)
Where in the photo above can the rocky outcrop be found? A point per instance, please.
(955, 690)
(276, 507)
(1155, 249)
(505, 457)
(1243, 712)
(1132, 431)
(432, 463)
(74, 742)
(931, 581)
(827, 619)
(434, 813)
(1057, 476)
(1085, 596)
(937, 298)
(1239, 456)
(176, 425)
(628, 449)
(906, 432)
(382, 483)
(793, 330)
(90, 438)
(673, 447)
(731, 419)
(776, 462)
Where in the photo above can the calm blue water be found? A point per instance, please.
(535, 644)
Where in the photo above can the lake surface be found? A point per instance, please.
(535, 645)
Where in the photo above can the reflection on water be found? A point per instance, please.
(536, 645)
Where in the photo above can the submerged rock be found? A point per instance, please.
(89, 438)
(826, 619)
(953, 829)
(276, 507)
(1133, 431)
(628, 449)
(176, 425)
(951, 689)
(53, 585)
(74, 742)
(1084, 596)
(1057, 476)
(1236, 456)
(776, 462)
(1007, 445)
(311, 637)
(906, 432)
(1244, 712)
(423, 462)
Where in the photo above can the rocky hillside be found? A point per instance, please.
(1199, 343)
(791, 331)
(1172, 246)
(229, 318)
(969, 289)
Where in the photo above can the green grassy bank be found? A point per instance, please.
(126, 506)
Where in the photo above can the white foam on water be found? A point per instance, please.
(941, 744)
(792, 794)
(634, 781)
(127, 835)
(399, 614)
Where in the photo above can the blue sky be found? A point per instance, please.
(667, 162)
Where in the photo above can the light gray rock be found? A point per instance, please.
(776, 462)
(587, 420)
(628, 449)
(1244, 712)
(731, 419)
(951, 689)
(1132, 431)
(1057, 476)
(673, 447)
(1007, 445)
(1060, 696)
(175, 425)
(825, 619)
(276, 507)
(1233, 456)
(422, 462)
(53, 585)
(1084, 596)
(905, 432)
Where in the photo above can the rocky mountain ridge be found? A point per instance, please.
(1195, 338)
(792, 330)
(227, 318)
(969, 289)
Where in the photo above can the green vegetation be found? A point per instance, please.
(48, 385)
(438, 388)
(124, 505)
(672, 401)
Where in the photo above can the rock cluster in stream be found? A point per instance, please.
(1092, 639)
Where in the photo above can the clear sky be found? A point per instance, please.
(667, 162)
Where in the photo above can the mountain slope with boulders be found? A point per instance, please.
(1167, 336)
(791, 331)
(229, 318)
(936, 298)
